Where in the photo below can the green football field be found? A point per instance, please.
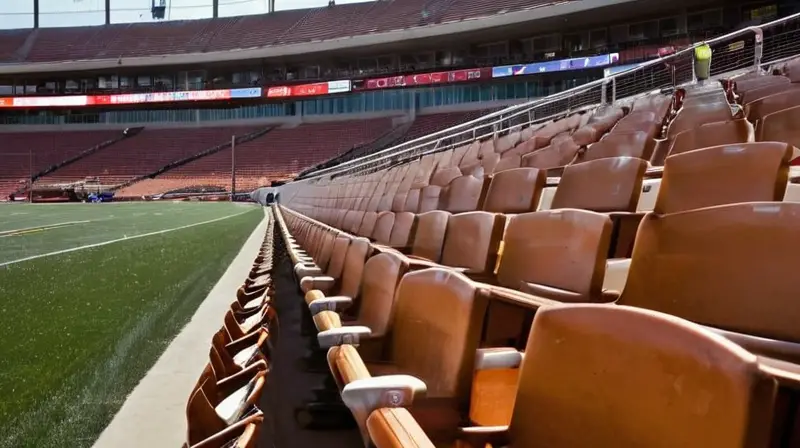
(90, 296)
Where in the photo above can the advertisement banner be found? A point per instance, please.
(315, 89)
(424, 79)
(130, 98)
(555, 66)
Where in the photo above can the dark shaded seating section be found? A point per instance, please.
(280, 155)
(146, 152)
(26, 153)
(453, 333)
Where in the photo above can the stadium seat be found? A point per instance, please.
(236, 355)
(515, 190)
(624, 358)
(429, 236)
(557, 254)
(619, 144)
(239, 435)
(725, 174)
(217, 404)
(372, 308)
(754, 281)
(457, 315)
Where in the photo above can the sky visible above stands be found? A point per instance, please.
(61, 13)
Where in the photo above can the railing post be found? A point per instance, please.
(759, 47)
(613, 90)
(603, 99)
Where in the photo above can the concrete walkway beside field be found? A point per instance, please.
(154, 414)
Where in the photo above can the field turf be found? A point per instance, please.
(80, 326)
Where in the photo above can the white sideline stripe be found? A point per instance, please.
(118, 240)
(46, 226)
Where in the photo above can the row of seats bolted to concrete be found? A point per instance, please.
(600, 302)
(222, 410)
(422, 354)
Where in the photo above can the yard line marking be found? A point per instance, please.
(40, 227)
(118, 240)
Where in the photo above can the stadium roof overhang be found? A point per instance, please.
(516, 18)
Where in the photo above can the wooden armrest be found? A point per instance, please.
(323, 283)
(335, 303)
(390, 391)
(342, 336)
(498, 358)
(483, 436)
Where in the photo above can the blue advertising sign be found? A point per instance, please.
(555, 66)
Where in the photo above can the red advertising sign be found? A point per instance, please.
(315, 89)
(424, 79)
(130, 98)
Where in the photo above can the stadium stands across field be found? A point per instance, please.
(223, 34)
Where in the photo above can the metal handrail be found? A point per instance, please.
(498, 117)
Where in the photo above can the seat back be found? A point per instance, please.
(781, 126)
(357, 253)
(367, 224)
(445, 175)
(515, 191)
(720, 175)
(620, 144)
(202, 421)
(436, 330)
(462, 195)
(401, 231)
(338, 255)
(564, 250)
(556, 155)
(429, 235)
(605, 375)
(382, 231)
(472, 241)
(382, 273)
(714, 110)
(612, 184)
(731, 266)
(712, 134)
(773, 103)
(429, 198)
(508, 162)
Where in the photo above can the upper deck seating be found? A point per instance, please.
(230, 33)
